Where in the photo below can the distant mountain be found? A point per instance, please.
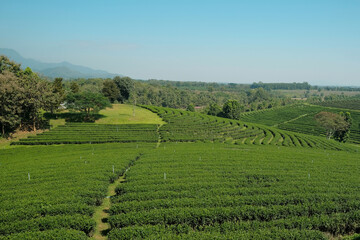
(65, 70)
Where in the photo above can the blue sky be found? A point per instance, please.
(216, 41)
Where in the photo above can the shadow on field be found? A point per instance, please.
(74, 117)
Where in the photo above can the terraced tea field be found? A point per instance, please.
(217, 191)
(185, 126)
(300, 118)
(80, 133)
(50, 192)
(346, 104)
(194, 177)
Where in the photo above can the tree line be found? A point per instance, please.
(157, 93)
(23, 97)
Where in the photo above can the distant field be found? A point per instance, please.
(123, 114)
(186, 126)
(300, 118)
(346, 104)
(301, 93)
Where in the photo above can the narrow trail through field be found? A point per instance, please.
(291, 120)
(101, 213)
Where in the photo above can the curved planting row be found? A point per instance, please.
(185, 126)
(77, 133)
(307, 124)
(275, 116)
(301, 118)
(193, 190)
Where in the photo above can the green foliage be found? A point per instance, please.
(232, 109)
(23, 97)
(111, 90)
(6, 65)
(181, 94)
(87, 102)
(125, 86)
(214, 110)
(342, 135)
(333, 123)
(190, 108)
(58, 87)
(74, 87)
(287, 86)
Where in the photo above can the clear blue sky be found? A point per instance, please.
(223, 41)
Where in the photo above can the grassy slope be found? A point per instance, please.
(123, 114)
(5, 143)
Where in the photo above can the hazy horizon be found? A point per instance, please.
(209, 41)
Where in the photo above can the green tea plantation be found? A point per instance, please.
(269, 175)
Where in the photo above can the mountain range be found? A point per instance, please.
(65, 70)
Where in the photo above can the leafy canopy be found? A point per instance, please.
(87, 102)
(333, 123)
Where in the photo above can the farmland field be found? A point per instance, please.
(347, 104)
(50, 190)
(212, 191)
(300, 118)
(187, 176)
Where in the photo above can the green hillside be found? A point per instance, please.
(184, 126)
(300, 118)
(180, 175)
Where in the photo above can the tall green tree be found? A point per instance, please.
(10, 66)
(74, 87)
(342, 135)
(23, 95)
(214, 110)
(58, 94)
(332, 123)
(125, 85)
(111, 90)
(58, 87)
(11, 95)
(232, 109)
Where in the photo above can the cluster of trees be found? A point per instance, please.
(23, 97)
(337, 126)
(180, 94)
(257, 99)
(118, 89)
